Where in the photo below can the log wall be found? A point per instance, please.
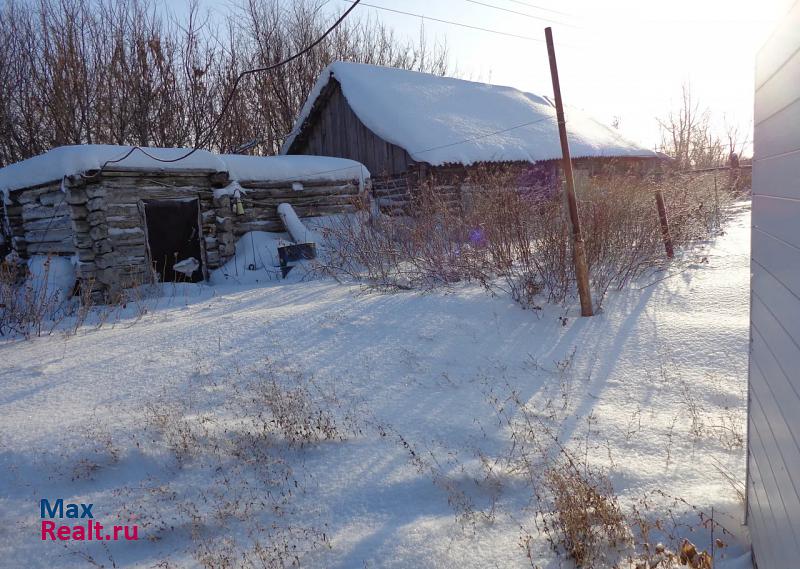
(333, 129)
(39, 221)
(316, 198)
(108, 225)
(101, 220)
(455, 184)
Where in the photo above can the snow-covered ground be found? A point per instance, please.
(145, 419)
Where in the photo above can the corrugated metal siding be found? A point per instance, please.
(773, 486)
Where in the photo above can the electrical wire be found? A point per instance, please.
(431, 18)
(521, 13)
(206, 139)
(542, 8)
(229, 99)
(482, 136)
(456, 143)
(424, 150)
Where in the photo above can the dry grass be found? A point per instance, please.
(245, 445)
(574, 505)
(31, 305)
(28, 307)
(581, 515)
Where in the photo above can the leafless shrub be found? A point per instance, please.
(576, 508)
(453, 479)
(367, 249)
(93, 561)
(723, 422)
(103, 450)
(274, 547)
(517, 240)
(30, 305)
(698, 204)
(582, 515)
(737, 484)
(659, 517)
(621, 231)
(446, 241)
(179, 430)
(291, 411)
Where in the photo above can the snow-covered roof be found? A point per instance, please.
(292, 168)
(442, 120)
(71, 160)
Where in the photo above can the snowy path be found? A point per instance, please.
(656, 364)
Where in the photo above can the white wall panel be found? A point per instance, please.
(773, 485)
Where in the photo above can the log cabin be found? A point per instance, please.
(130, 221)
(410, 128)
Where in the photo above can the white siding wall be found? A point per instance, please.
(773, 486)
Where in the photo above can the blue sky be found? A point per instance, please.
(618, 58)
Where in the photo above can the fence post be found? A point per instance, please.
(578, 250)
(662, 216)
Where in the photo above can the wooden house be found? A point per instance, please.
(132, 221)
(410, 128)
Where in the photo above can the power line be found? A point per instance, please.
(541, 8)
(520, 13)
(430, 149)
(471, 27)
(482, 136)
(692, 147)
(232, 92)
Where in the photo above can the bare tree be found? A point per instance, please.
(687, 135)
(124, 72)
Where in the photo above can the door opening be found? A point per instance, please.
(173, 237)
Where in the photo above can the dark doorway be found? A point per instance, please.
(173, 236)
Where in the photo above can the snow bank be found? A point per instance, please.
(53, 276)
(255, 262)
(45, 294)
(439, 120)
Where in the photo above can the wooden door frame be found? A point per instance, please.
(141, 206)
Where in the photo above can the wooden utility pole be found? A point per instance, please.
(578, 249)
(662, 217)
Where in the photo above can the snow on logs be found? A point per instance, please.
(298, 232)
